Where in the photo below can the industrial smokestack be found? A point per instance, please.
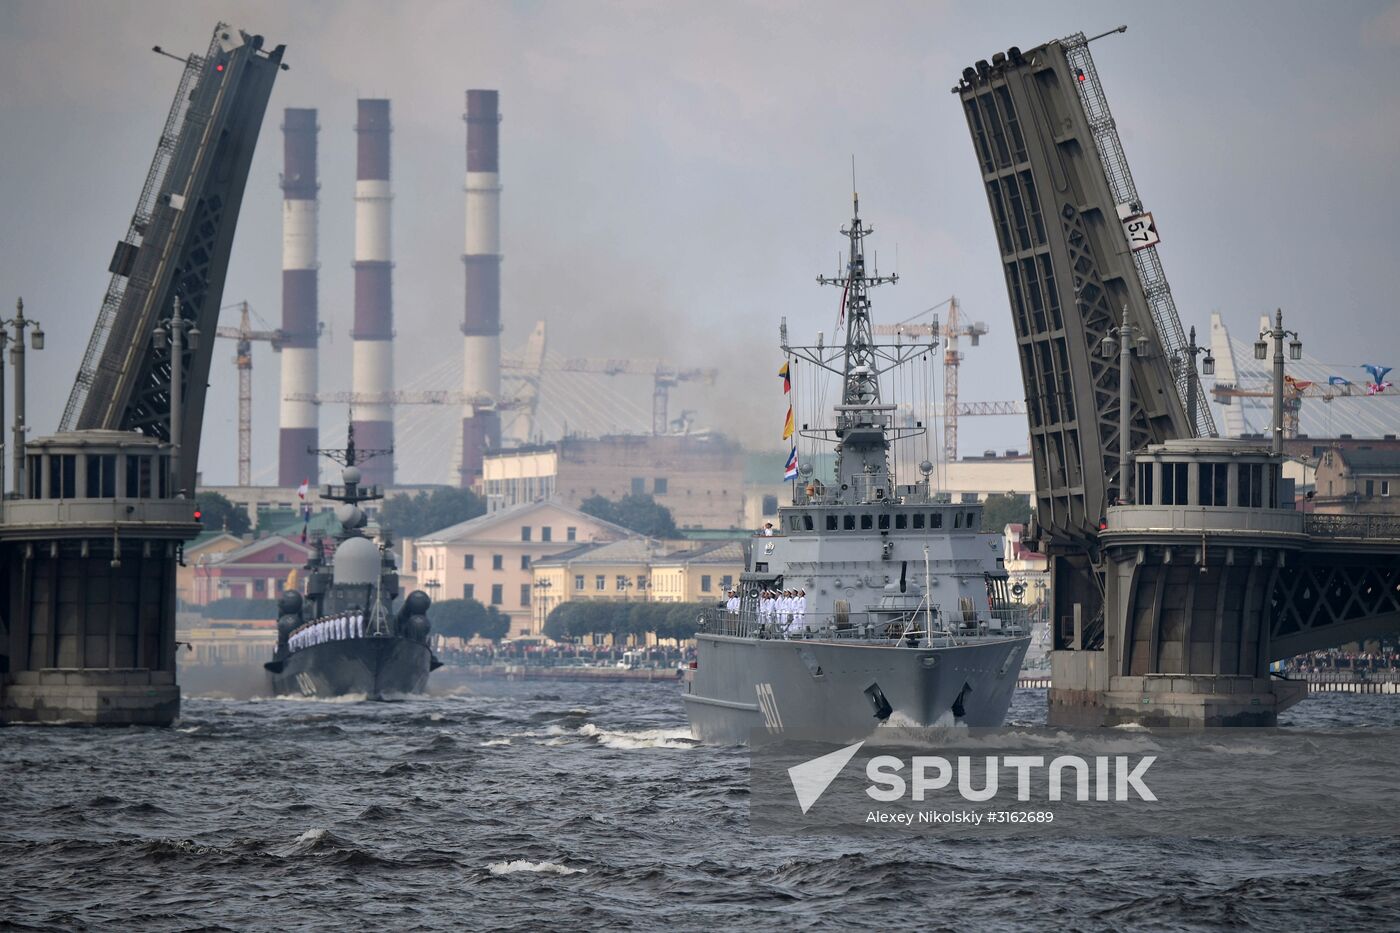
(299, 316)
(372, 368)
(481, 327)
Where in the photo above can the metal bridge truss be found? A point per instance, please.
(1120, 182)
(185, 223)
(1330, 598)
(1069, 277)
(135, 235)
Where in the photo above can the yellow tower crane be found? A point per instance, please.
(243, 359)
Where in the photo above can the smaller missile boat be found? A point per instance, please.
(343, 636)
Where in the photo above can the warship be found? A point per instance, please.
(344, 637)
(905, 616)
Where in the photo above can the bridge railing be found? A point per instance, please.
(1352, 526)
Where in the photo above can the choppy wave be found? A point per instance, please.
(640, 738)
(586, 807)
(328, 701)
(519, 865)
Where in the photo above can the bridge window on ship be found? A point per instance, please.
(867, 522)
(901, 522)
(918, 520)
(884, 522)
(831, 523)
(848, 522)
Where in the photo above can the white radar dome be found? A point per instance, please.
(349, 516)
(356, 561)
(350, 475)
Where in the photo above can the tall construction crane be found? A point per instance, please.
(951, 330)
(243, 359)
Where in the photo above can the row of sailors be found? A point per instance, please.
(786, 607)
(334, 628)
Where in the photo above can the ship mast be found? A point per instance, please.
(862, 421)
(351, 493)
(864, 426)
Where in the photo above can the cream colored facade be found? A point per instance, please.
(616, 572)
(491, 558)
(636, 569)
(698, 575)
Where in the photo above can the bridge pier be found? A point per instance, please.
(1207, 580)
(87, 590)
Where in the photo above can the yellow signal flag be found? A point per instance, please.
(787, 425)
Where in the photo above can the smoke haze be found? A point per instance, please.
(675, 174)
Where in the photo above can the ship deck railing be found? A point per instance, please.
(881, 627)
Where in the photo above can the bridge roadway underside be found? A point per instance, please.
(1193, 620)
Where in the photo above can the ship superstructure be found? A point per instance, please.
(905, 613)
(348, 634)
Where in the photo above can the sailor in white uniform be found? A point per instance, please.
(799, 610)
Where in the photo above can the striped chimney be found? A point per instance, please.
(481, 327)
(372, 365)
(298, 419)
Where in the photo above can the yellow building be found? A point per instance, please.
(636, 569)
(698, 574)
(619, 571)
(491, 558)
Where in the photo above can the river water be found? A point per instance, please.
(571, 806)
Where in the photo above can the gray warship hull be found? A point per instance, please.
(830, 690)
(377, 667)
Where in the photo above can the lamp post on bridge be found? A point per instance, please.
(1295, 352)
(1124, 340)
(1207, 368)
(174, 329)
(20, 324)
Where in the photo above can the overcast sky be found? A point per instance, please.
(675, 173)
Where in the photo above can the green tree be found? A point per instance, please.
(639, 513)
(556, 624)
(467, 618)
(573, 620)
(412, 516)
(217, 513)
(998, 511)
(494, 626)
(456, 618)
